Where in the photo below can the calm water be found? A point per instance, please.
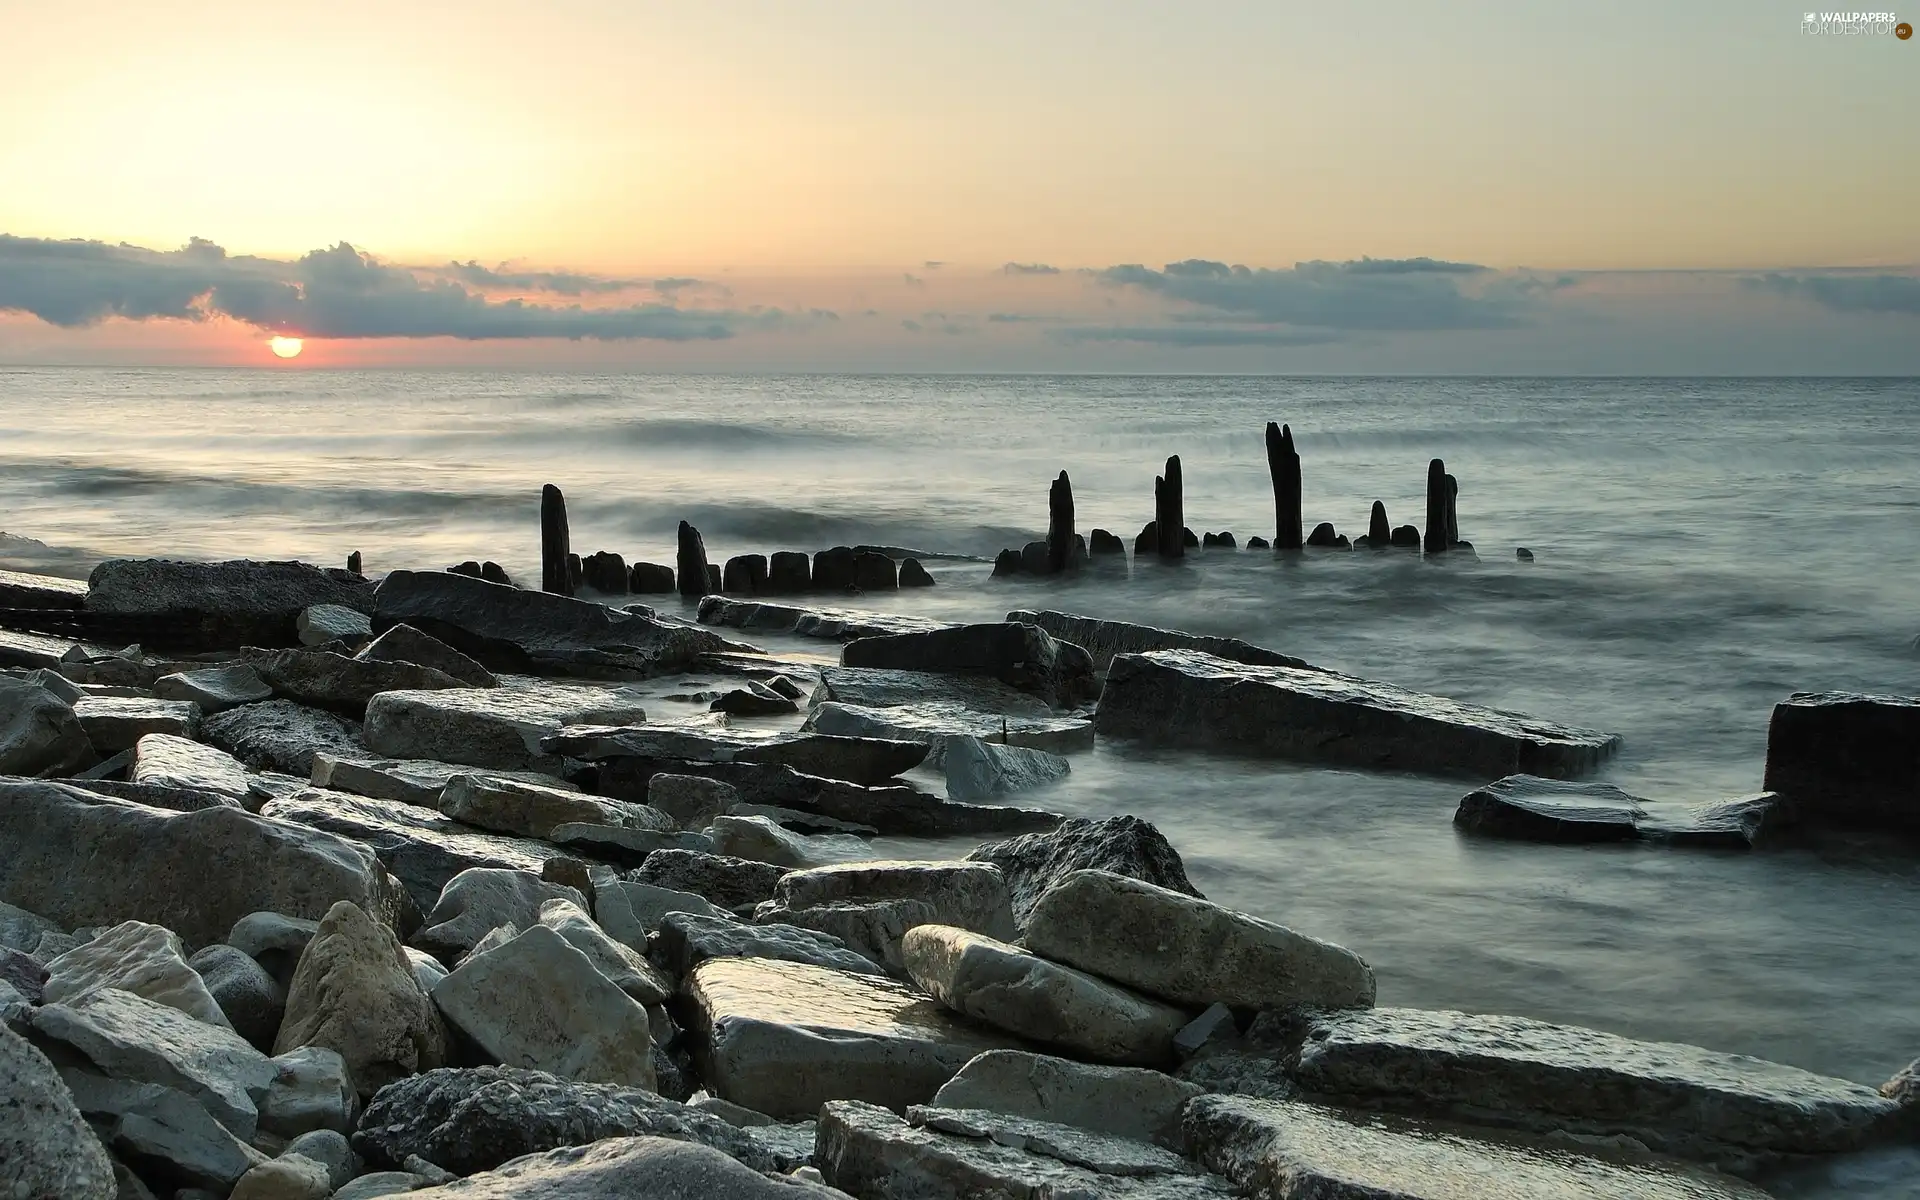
(1704, 548)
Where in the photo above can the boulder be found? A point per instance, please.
(311, 1090)
(873, 930)
(409, 780)
(685, 940)
(1127, 846)
(331, 1150)
(491, 727)
(163, 760)
(629, 1167)
(730, 883)
(622, 846)
(482, 899)
(1313, 1151)
(279, 735)
(864, 761)
(537, 1002)
(1676, 1099)
(238, 603)
(157, 795)
(1189, 951)
(623, 966)
(692, 802)
(39, 733)
(164, 1129)
(1129, 1102)
(754, 700)
(251, 999)
(405, 644)
(760, 840)
(214, 689)
(1846, 760)
(289, 1177)
(323, 624)
(46, 1150)
(135, 957)
(1738, 824)
(913, 575)
(783, 1038)
(745, 574)
(970, 895)
(650, 579)
(507, 629)
(476, 1119)
(22, 930)
(1010, 989)
(1022, 656)
(1529, 808)
(1103, 640)
(354, 993)
(875, 688)
(605, 572)
(937, 722)
(629, 912)
(1197, 701)
(82, 863)
(274, 941)
(378, 1185)
(115, 723)
(978, 770)
(323, 679)
(533, 810)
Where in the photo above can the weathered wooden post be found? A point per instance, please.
(353, 564)
(1169, 512)
(1437, 496)
(1060, 524)
(554, 576)
(1453, 511)
(1283, 463)
(1379, 533)
(692, 561)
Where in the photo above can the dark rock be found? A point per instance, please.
(1283, 463)
(1189, 540)
(39, 732)
(833, 570)
(1060, 535)
(1453, 511)
(912, 574)
(834, 624)
(873, 572)
(1258, 543)
(1169, 511)
(252, 1001)
(605, 572)
(754, 700)
(157, 795)
(691, 563)
(685, 940)
(1147, 542)
(1034, 862)
(323, 679)
(650, 579)
(1406, 536)
(469, 568)
(1323, 535)
(1438, 496)
(1523, 554)
(713, 579)
(1740, 824)
(1529, 808)
(473, 1119)
(745, 574)
(1103, 542)
(1847, 760)
(1104, 639)
(21, 590)
(858, 760)
(732, 883)
(789, 573)
(576, 572)
(404, 643)
(1226, 540)
(23, 973)
(1009, 563)
(1024, 656)
(1212, 1026)
(232, 603)
(1209, 541)
(1034, 559)
(555, 576)
(1379, 532)
(279, 735)
(493, 572)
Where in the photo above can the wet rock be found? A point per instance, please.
(405, 644)
(354, 993)
(337, 683)
(685, 940)
(1197, 701)
(623, 967)
(81, 863)
(1216, 1025)
(379, 1184)
(829, 624)
(509, 629)
(1129, 1102)
(311, 1090)
(913, 575)
(625, 847)
(861, 761)
(238, 603)
(730, 883)
(532, 810)
(252, 1001)
(604, 572)
(692, 563)
(323, 624)
(556, 549)
(331, 1150)
(279, 735)
(874, 572)
(1677, 1099)
(289, 1177)
(1739, 824)
(1847, 760)
(214, 689)
(1529, 808)
(1034, 862)
(692, 802)
(537, 1002)
(482, 899)
(640, 1166)
(978, 770)
(935, 723)
(163, 760)
(39, 733)
(650, 579)
(870, 688)
(46, 1149)
(417, 781)
(1189, 951)
(744, 574)
(145, 960)
(274, 941)
(783, 1038)
(1105, 639)
(1023, 656)
(970, 895)
(873, 930)
(1010, 989)
(496, 727)
(755, 700)
(630, 911)
(1314, 1151)
(163, 1128)
(1324, 536)
(115, 723)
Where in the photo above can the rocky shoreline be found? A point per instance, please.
(344, 888)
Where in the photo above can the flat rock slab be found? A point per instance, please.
(1529, 808)
(731, 883)
(1130, 1102)
(23, 589)
(978, 770)
(1024, 657)
(859, 760)
(163, 1128)
(1034, 862)
(830, 624)
(533, 810)
(1678, 1099)
(341, 684)
(46, 1149)
(1194, 700)
(279, 735)
(1847, 760)
(628, 1167)
(630, 912)
(937, 722)
(872, 687)
(243, 602)
(115, 723)
(1292, 1151)
(135, 957)
(784, 1038)
(492, 727)
(417, 781)
(1105, 640)
(686, 940)
(405, 644)
(36, 651)
(164, 760)
(970, 895)
(214, 689)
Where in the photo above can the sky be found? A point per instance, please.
(1633, 188)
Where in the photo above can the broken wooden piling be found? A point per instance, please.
(694, 578)
(1438, 495)
(554, 576)
(1283, 463)
(1169, 512)
(1060, 524)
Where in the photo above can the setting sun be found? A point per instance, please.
(285, 347)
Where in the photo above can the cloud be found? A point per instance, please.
(1849, 292)
(933, 264)
(1003, 318)
(562, 283)
(1014, 268)
(1197, 336)
(912, 280)
(333, 293)
(1367, 294)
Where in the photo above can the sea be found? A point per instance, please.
(1701, 549)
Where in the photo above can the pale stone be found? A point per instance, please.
(354, 993)
(273, 940)
(970, 895)
(116, 723)
(686, 940)
(978, 770)
(628, 1167)
(319, 624)
(330, 1149)
(169, 761)
(479, 900)
(214, 689)
(410, 781)
(623, 966)
(310, 1090)
(46, 1150)
(289, 1177)
(761, 840)
(532, 810)
(491, 727)
(1129, 1102)
(157, 1123)
(381, 1184)
(135, 957)
(630, 911)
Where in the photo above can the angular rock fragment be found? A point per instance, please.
(622, 1167)
(760, 840)
(311, 1090)
(354, 993)
(323, 624)
(873, 930)
(629, 912)
(163, 760)
(754, 700)
(1129, 1102)
(855, 760)
(978, 770)
(1739, 824)
(1533, 809)
(1105, 639)
(1022, 656)
(272, 940)
(938, 722)
(251, 999)
(214, 689)
(1847, 760)
(163, 1127)
(115, 723)
(870, 687)
(279, 735)
(46, 1149)
(135, 957)
(1034, 862)
(622, 846)
(405, 644)
(970, 895)
(238, 603)
(533, 810)
(829, 624)
(289, 1177)
(338, 683)
(692, 802)
(409, 780)
(480, 900)
(496, 727)
(39, 733)
(730, 883)
(685, 940)
(623, 966)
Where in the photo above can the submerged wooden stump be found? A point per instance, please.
(1379, 533)
(1453, 511)
(1437, 498)
(1060, 524)
(744, 574)
(554, 576)
(1169, 511)
(692, 560)
(1283, 463)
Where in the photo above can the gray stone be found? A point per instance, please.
(1022, 656)
(625, 847)
(1283, 1148)
(1847, 760)
(21, 930)
(164, 760)
(115, 723)
(153, 795)
(1103, 1153)
(320, 624)
(685, 940)
(623, 966)
(140, 1041)
(46, 1150)
(630, 911)
(404, 643)
(337, 683)
(492, 727)
(1738, 824)
(25, 980)
(533, 810)
(1010, 989)
(936, 722)
(416, 781)
(135, 957)
(978, 770)
(1034, 862)
(380, 1184)
(214, 689)
(873, 930)
(1677, 1099)
(868, 687)
(754, 700)
(330, 1149)
(53, 681)
(783, 1038)
(1196, 701)
(1129, 1102)
(864, 761)
(239, 603)
(311, 1090)
(481, 899)
(354, 993)
(427, 970)
(809, 621)
(692, 802)
(1529, 808)
(82, 863)
(803, 822)
(730, 883)
(476, 1119)
(153, 1123)
(1210, 1027)
(1103, 640)
(273, 940)
(629, 1167)
(32, 651)
(760, 840)
(537, 1002)
(1189, 951)
(279, 735)
(289, 1177)
(970, 895)
(39, 733)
